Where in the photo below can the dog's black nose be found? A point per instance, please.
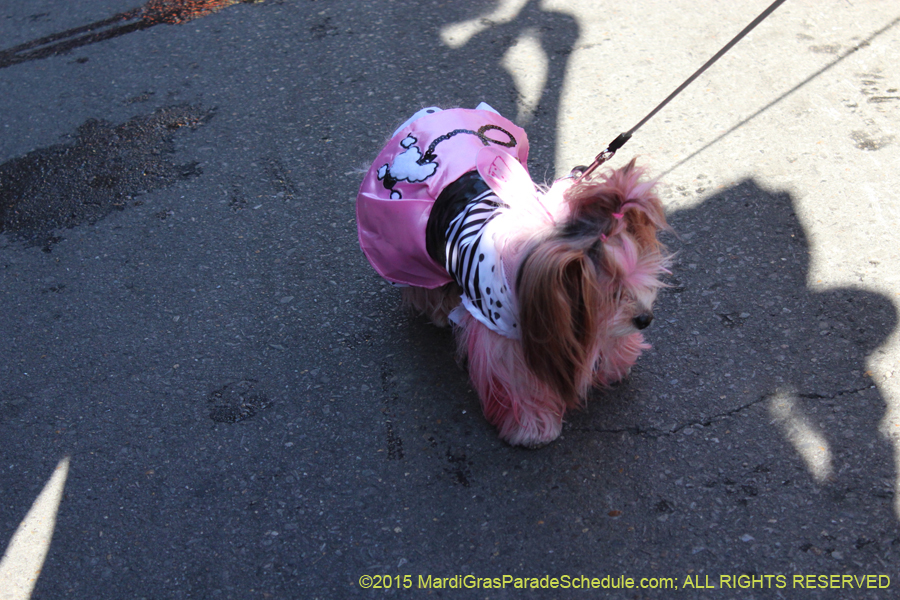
(643, 321)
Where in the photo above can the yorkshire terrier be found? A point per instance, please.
(547, 289)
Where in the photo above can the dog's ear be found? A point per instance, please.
(557, 294)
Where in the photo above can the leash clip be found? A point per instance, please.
(582, 172)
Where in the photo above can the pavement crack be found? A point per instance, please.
(836, 395)
(657, 432)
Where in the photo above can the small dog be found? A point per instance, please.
(548, 290)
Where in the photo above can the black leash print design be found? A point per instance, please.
(390, 181)
(429, 155)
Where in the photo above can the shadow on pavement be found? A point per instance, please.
(248, 413)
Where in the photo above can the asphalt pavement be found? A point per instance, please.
(206, 392)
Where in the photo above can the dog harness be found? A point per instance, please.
(459, 158)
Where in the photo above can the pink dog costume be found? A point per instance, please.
(428, 153)
(434, 204)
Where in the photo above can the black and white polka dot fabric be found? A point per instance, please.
(473, 261)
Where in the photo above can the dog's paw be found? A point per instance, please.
(531, 429)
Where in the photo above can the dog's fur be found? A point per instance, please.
(585, 286)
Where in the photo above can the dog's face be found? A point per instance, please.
(587, 289)
(630, 265)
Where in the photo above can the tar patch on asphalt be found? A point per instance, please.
(105, 166)
(236, 402)
(153, 13)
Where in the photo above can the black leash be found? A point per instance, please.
(617, 143)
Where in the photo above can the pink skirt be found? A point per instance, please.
(424, 156)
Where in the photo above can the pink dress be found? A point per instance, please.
(430, 151)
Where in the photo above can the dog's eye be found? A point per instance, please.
(623, 296)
